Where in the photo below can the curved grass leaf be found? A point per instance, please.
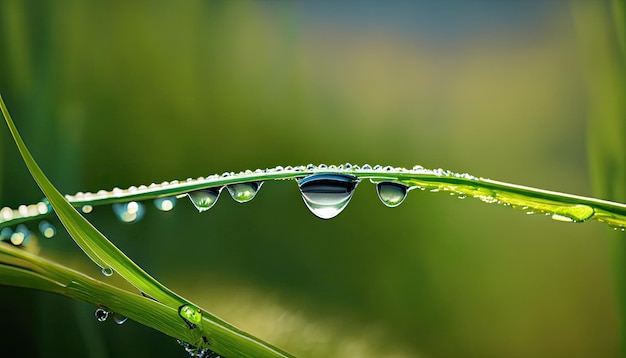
(207, 330)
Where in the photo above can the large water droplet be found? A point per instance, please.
(391, 194)
(326, 195)
(204, 199)
(244, 192)
(166, 203)
(191, 315)
(102, 314)
(129, 212)
(47, 229)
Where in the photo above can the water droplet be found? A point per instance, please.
(47, 229)
(391, 194)
(20, 236)
(244, 192)
(102, 314)
(165, 204)
(326, 195)
(5, 233)
(204, 199)
(86, 209)
(129, 212)
(118, 318)
(107, 271)
(563, 218)
(191, 315)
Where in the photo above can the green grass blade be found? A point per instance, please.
(222, 337)
(560, 206)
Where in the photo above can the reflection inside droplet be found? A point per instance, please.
(326, 195)
(391, 194)
(244, 192)
(204, 199)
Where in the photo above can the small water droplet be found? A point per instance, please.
(102, 314)
(244, 192)
(86, 209)
(165, 204)
(204, 199)
(5, 233)
(21, 236)
(47, 229)
(391, 194)
(107, 271)
(563, 218)
(326, 195)
(118, 318)
(191, 315)
(129, 212)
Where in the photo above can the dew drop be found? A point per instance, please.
(391, 194)
(102, 314)
(47, 229)
(107, 271)
(118, 318)
(204, 199)
(191, 315)
(5, 233)
(563, 218)
(165, 204)
(20, 236)
(244, 192)
(326, 195)
(86, 209)
(129, 212)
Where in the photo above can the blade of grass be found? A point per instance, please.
(222, 337)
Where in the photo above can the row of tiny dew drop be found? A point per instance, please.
(326, 191)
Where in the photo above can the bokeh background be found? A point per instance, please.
(113, 94)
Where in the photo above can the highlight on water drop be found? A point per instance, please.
(129, 212)
(107, 271)
(204, 199)
(327, 194)
(391, 194)
(244, 192)
(166, 203)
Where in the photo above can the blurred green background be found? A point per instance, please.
(113, 94)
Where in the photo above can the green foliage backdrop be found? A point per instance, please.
(118, 94)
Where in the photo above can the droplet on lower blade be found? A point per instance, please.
(129, 212)
(326, 195)
(391, 194)
(107, 271)
(102, 314)
(118, 318)
(244, 192)
(204, 199)
(191, 315)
